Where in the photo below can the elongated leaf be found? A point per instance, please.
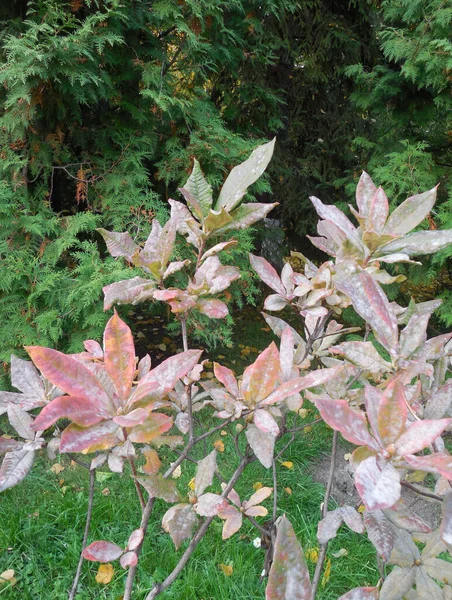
(8, 445)
(209, 505)
(352, 519)
(405, 552)
(286, 353)
(16, 465)
(414, 334)
(262, 444)
(351, 424)
(119, 355)
(25, 378)
(159, 487)
(432, 463)
(101, 436)
(262, 494)
(278, 325)
(411, 213)
(21, 421)
(421, 242)
(378, 483)
(267, 273)
(133, 418)
(378, 213)
(80, 410)
(215, 309)
(328, 527)
(265, 422)
(179, 521)
(129, 559)
(260, 378)
(380, 532)
(218, 248)
(362, 354)
(392, 413)
(227, 378)
(361, 593)
(446, 523)
(438, 569)
(119, 244)
(135, 539)
(128, 291)
(398, 583)
(365, 191)
(426, 588)
(200, 188)
(233, 521)
(102, 551)
(246, 215)
(205, 472)
(69, 375)
(289, 576)
(403, 517)
(244, 175)
(439, 403)
(154, 426)
(421, 434)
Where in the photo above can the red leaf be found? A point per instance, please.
(69, 375)
(432, 463)
(420, 434)
(129, 559)
(168, 372)
(289, 576)
(134, 417)
(135, 539)
(227, 378)
(119, 355)
(351, 424)
(260, 378)
(102, 551)
(78, 409)
(101, 436)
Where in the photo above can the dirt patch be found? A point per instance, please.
(344, 491)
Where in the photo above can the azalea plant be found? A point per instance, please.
(388, 393)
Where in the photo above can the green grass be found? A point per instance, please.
(42, 528)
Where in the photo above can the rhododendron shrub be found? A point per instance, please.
(387, 393)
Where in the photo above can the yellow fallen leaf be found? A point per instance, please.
(312, 554)
(56, 468)
(105, 574)
(303, 412)
(191, 483)
(177, 472)
(340, 553)
(347, 456)
(239, 427)
(61, 482)
(288, 464)
(105, 492)
(288, 491)
(361, 508)
(223, 432)
(257, 486)
(227, 569)
(7, 576)
(162, 347)
(416, 476)
(219, 445)
(307, 429)
(326, 572)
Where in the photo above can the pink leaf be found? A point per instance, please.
(155, 425)
(432, 463)
(119, 244)
(209, 505)
(94, 348)
(378, 483)
(102, 551)
(392, 413)
(421, 242)
(446, 524)
(289, 576)
(135, 539)
(119, 355)
(179, 521)
(420, 434)
(215, 309)
(16, 465)
(101, 436)
(267, 273)
(80, 410)
(265, 422)
(205, 472)
(286, 353)
(227, 378)
(258, 497)
(129, 559)
(381, 533)
(8, 445)
(69, 375)
(233, 521)
(365, 191)
(260, 378)
(128, 291)
(351, 424)
(168, 372)
(134, 417)
(379, 209)
(262, 444)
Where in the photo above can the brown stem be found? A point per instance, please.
(137, 485)
(160, 587)
(421, 492)
(323, 547)
(183, 323)
(146, 515)
(92, 477)
(275, 491)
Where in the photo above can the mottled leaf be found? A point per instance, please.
(101, 436)
(205, 472)
(82, 411)
(129, 559)
(380, 532)
(128, 291)
(155, 425)
(21, 421)
(260, 378)
(421, 242)
(397, 583)
(209, 505)
(16, 465)
(365, 191)
(102, 551)
(119, 244)
(262, 444)
(179, 521)
(420, 434)
(289, 576)
(135, 539)
(351, 424)
(198, 186)
(265, 422)
(119, 355)
(361, 593)
(411, 213)
(159, 487)
(378, 483)
(267, 273)
(25, 378)
(362, 354)
(392, 413)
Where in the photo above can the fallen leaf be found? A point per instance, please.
(288, 464)
(177, 472)
(219, 445)
(227, 569)
(288, 491)
(312, 554)
(303, 412)
(105, 492)
(7, 577)
(339, 553)
(239, 427)
(162, 347)
(326, 572)
(61, 482)
(56, 468)
(223, 432)
(105, 574)
(307, 429)
(191, 483)
(361, 508)
(347, 456)
(257, 486)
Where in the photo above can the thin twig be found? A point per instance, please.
(323, 547)
(92, 478)
(414, 488)
(137, 485)
(275, 491)
(160, 587)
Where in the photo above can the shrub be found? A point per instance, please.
(387, 392)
